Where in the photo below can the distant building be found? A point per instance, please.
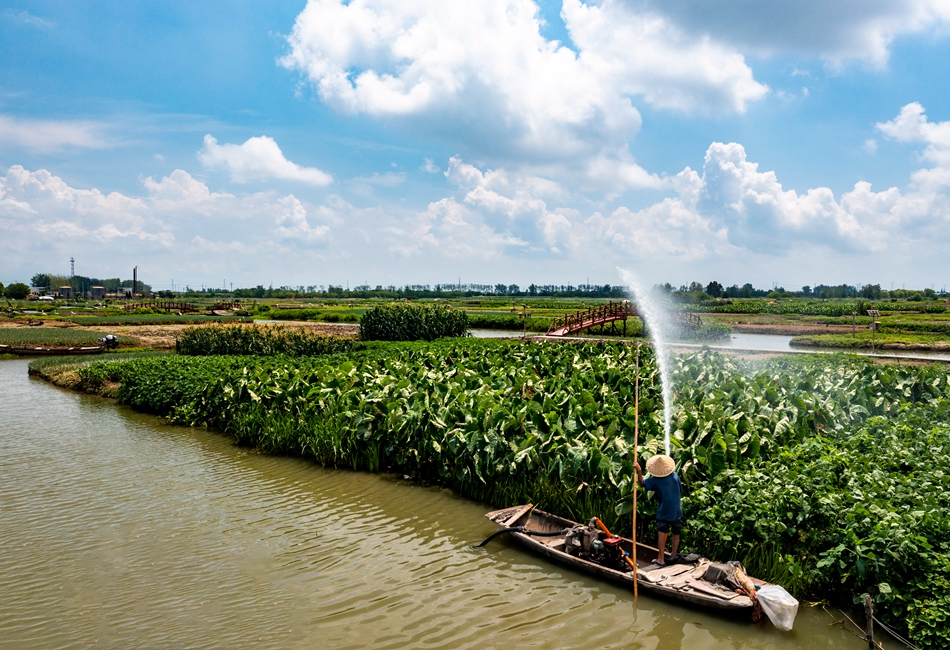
(39, 291)
(97, 292)
(66, 291)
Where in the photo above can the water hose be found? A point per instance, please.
(521, 529)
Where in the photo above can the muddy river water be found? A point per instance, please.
(117, 531)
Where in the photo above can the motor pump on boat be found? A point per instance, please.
(591, 543)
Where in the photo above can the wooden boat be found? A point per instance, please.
(32, 351)
(675, 581)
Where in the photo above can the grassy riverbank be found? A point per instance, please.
(886, 340)
(71, 372)
(830, 475)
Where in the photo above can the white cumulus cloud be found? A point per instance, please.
(641, 53)
(728, 208)
(838, 31)
(177, 223)
(912, 125)
(481, 74)
(292, 222)
(452, 231)
(514, 206)
(43, 203)
(668, 230)
(733, 205)
(759, 214)
(258, 159)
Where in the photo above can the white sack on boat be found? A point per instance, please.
(779, 605)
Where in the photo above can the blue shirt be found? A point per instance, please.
(668, 489)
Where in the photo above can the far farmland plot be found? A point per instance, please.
(53, 336)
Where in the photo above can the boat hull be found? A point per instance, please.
(39, 351)
(552, 547)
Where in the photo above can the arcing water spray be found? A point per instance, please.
(655, 321)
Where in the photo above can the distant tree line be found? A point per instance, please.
(433, 291)
(697, 292)
(693, 292)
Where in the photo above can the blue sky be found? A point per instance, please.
(497, 141)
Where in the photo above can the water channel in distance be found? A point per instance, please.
(742, 342)
(118, 531)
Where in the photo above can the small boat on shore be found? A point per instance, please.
(33, 351)
(685, 581)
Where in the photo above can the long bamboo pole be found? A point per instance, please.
(636, 456)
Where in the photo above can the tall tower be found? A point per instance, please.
(72, 266)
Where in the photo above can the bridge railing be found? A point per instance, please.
(161, 304)
(579, 320)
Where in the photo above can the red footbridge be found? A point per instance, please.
(609, 314)
(167, 305)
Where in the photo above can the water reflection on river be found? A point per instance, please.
(120, 532)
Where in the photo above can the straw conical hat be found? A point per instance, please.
(660, 465)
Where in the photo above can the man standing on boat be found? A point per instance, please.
(669, 513)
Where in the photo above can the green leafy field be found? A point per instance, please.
(150, 319)
(863, 340)
(251, 340)
(52, 336)
(509, 322)
(320, 315)
(812, 307)
(830, 475)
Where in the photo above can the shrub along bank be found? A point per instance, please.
(412, 322)
(261, 341)
(829, 475)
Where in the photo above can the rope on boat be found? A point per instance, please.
(522, 529)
